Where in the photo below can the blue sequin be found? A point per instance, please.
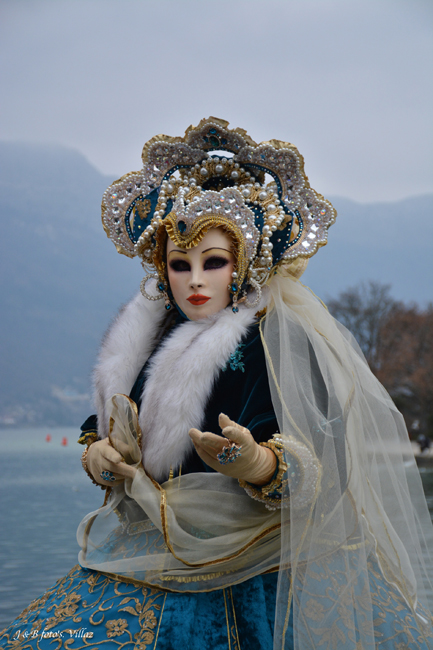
(235, 360)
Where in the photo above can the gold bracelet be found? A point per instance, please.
(276, 484)
(271, 493)
(86, 469)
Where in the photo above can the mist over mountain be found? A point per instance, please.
(62, 281)
(391, 243)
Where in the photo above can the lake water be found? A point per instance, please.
(45, 494)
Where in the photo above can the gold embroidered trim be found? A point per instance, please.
(86, 469)
(87, 438)
(276, 484)
(265, 493)
(163, 514)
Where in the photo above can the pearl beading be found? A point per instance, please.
(302, 489)
(287, 218)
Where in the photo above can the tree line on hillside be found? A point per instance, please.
(397, 341)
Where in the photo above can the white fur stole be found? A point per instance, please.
(179, 378)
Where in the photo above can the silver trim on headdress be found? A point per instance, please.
(280, 218)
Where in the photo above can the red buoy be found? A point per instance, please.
(64, 441)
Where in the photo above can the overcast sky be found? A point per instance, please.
(349, 82)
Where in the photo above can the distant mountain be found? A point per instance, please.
(62, 281)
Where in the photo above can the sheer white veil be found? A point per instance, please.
(367, 509)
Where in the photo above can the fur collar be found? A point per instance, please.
(180, 375)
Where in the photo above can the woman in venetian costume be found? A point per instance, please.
(261, 489)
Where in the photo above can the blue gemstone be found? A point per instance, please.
(235, 310)
(161, 286)
(234, 287)
(182, 226)
(168, 307)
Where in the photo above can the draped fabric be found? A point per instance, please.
(354, 520)
(368, 507)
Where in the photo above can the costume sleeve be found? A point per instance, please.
(89, 430)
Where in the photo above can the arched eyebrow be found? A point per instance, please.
(178, 250)
(213, 248)
(216, 248)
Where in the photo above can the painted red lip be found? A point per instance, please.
(197, 299)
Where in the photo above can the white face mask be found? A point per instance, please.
(199, 277)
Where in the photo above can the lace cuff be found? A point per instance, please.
(297, 468)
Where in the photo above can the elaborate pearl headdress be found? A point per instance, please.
(258, 193)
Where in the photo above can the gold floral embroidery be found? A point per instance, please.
(394, 624)
(116, 628)
(146, 638)
(86, 608)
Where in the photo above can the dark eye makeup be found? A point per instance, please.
(179, 265)
(213, 262)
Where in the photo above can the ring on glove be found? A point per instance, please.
(107, 476)
(229, 453)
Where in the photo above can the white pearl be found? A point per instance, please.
(235, 174)
(266, 230)
(271, 207)
(266, 240)
(270, 246)
(246, 192)
(219, 169)
(263, 195)
(273, 228)
(170, 187)
(203, 171)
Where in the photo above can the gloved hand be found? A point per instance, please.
(256, 464)
(101, 456)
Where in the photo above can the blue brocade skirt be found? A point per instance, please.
(86, 609)
(89, 610)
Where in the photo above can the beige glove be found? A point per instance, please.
(101, 456)
(256, 464)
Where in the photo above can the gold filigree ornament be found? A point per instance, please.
(258, 193)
